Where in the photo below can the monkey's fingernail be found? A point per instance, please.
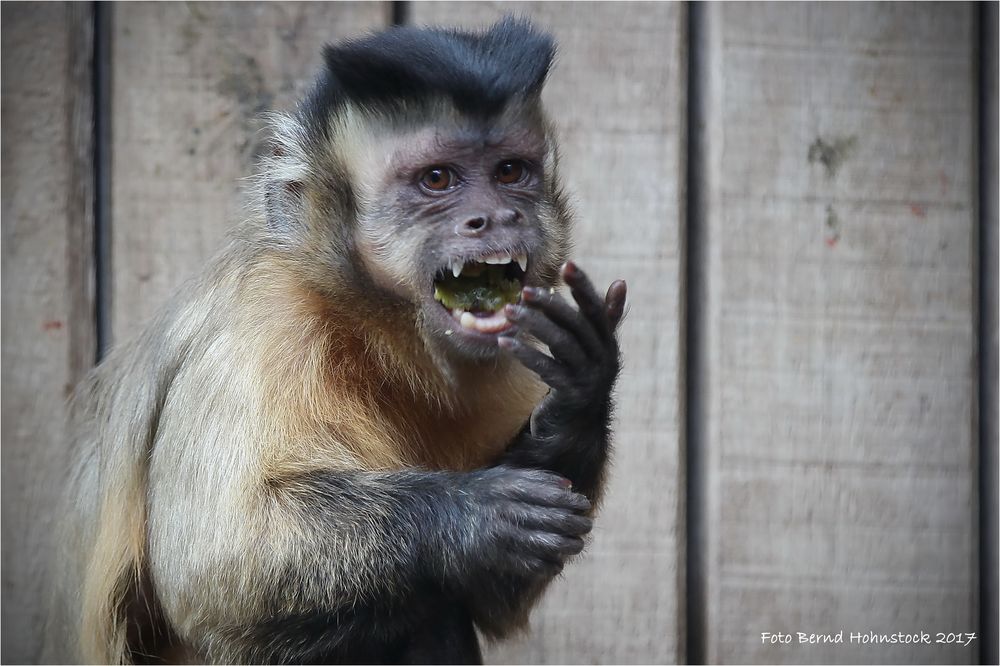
(512, 311)
(529, 293)
(569, 269)
(565, 483)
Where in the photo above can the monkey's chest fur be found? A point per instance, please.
(372, 398)
(400, 425)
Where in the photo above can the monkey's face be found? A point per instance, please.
(457, 221)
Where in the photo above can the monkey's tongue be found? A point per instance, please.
(491, 323)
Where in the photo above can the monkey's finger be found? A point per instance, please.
(551, 511)
(543, 567)
(525, 484)
(552, 547)
(614, 302)
(523, 554)
(563, 345)
(565, 315)
(550, 495)
(591, 304)
(551, 371)
(568, 524)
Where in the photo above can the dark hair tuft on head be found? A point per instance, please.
(479, 72)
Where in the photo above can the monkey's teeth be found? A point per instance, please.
(522, 261)
(456, 268)
(499, 259)
(494, 323)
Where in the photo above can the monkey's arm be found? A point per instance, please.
(569, 431)
(378, 556)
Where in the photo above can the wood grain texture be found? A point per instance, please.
(190, 83)
(841, 382)
(48, 322)
(616, 93)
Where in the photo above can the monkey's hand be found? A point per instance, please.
(568, 431)
(522, 525)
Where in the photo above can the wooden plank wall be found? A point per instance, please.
(841, 394)
(47, 312)
(838, 258)
(622, 155)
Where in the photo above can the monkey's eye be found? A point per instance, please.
(438, 179)
(510, 172)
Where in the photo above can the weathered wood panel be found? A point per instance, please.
(616, 93)
(48, 324)
(840, 403)
(190, 82)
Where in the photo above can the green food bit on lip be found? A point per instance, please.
(488, 291)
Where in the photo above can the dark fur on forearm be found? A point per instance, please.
(569, 432)
(572, 444)
(454, 537)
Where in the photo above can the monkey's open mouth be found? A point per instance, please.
(474, 292)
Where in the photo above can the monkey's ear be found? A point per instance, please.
(284, 171)
(283, 207)
(284, 204)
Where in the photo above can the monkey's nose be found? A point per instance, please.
(476, 226)
(472, 227)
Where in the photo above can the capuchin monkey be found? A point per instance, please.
(345, 441)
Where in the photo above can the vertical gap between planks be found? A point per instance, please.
(987, 332)
(695, 359)
(102, 175)
(400, 12)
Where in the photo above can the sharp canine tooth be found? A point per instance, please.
(522, 261)
(456, 268)
(468, 320)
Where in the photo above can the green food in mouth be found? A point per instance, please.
(486, 291)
